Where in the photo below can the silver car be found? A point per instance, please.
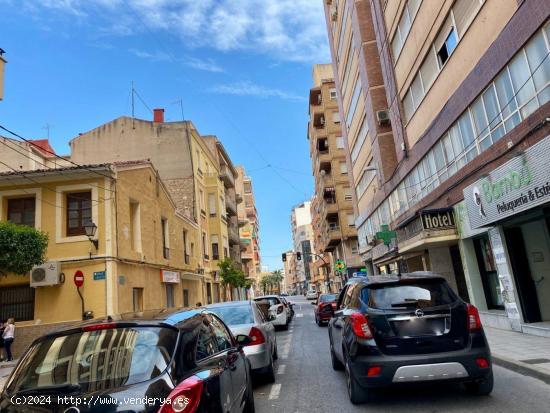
(244, 317)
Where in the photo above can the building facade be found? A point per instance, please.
(302, 237)
(465, 102)
(332, 210)
(249, 228)
(143, 254)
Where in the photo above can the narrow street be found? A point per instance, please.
(307, 383)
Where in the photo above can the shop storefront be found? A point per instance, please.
(505, 241)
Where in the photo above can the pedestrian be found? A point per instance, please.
(1, 341)
(8, 335)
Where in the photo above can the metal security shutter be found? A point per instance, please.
(17, 302)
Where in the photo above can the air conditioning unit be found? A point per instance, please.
(46, 274)
(383, 117)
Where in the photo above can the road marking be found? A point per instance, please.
(281, 369)
(275, 391)
(299, 315)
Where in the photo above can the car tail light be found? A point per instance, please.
(474, 322)
(360, 325)
(102, 326)
(185, 397)
(374, 371)
(257, 336)
(280, 309)
(482, 363)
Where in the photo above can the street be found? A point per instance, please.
(305, 382)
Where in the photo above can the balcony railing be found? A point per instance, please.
(231, 206)
(227, 176)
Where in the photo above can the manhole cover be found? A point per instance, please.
(536, 361)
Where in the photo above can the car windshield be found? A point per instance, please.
(97, 360)
(233, 315)
(270, 300)
(420, 294)
(325, 298)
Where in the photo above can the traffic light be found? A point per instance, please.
(298, 255)
(284, 257)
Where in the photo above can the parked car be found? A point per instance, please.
(311, 295)
(187, 356)
(289, 307)
(276, 309)
(391, 329)
(324, 308)
(244, 317)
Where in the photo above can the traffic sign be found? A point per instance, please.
(340, 265)
(78, 279)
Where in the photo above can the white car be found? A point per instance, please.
(276, 309)
(311, 295)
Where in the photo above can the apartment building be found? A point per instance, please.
(302, 237)
(2, 64)
(332, 211)
(289, 268)
(466, 90)
(30, 155)
(118, 225)
(249, 231)
(186, 165)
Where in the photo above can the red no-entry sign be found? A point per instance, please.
(79, 278)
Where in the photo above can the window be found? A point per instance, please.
(185, 297)
(404, 26)
(361, 137)
(445, 50)
(206, 343)
(185, 251)
(79, 212)
(340, 142)
(343, 168)
(332, 94)
(22, 211)
(204, 246)
(336, 117)
(165, 236)
(342, 31)
(212, 204)
(199, 161)
(215, 247)
(135, 226)
(137, 299)
(169, 295)
(201, 201)
(354, 101)
(364, 181)
(351, 220)
(348, 196)
(223, 339)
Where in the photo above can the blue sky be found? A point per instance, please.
(242, 69)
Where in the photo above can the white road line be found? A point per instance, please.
(299, 315)
(281, 369)
(275, 391)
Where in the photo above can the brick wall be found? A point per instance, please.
(182, 192)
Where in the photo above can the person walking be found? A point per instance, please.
(8, 335)
(1, 341)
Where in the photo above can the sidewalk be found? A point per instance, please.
(5, 370)
(523, 353)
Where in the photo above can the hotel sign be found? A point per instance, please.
(518, 185)
(438, 219)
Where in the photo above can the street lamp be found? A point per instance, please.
(91, 229)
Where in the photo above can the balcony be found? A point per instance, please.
(230, 206)
(227, 176)
(238, 198)
(319, 120)
(315, 97)
(247, 256)
(233, 235)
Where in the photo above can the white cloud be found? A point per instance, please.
(208, 65)
(251, 89)
(286, 30)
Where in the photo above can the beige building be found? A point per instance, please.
(143, 254)
(247, 216)
(464, 100)
(332, 207)
(187, 166)
(302, 238)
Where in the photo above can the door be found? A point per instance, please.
(235, 363)
(341, 314)
(525, 284)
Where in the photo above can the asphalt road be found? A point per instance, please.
(305, 382)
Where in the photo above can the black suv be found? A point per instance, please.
(394, 329)
(156, 361)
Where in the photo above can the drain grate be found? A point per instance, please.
(535, 361)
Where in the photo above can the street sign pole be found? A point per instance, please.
(79, 282)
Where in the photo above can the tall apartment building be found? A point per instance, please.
(332, 211)
(249, 227)
(186, 165)
(302, 237)
(465, 106)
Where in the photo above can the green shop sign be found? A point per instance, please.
(514, 180)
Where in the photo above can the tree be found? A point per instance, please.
(264, 283)
(277, 278)
(21, 248)
(231, 275)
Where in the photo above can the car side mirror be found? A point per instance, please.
(243, 340)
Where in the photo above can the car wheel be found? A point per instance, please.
(317, 321)
(270, 372)
(275, 353)
(483, 388)
(336, 364)
(356, 393)
(249, 403)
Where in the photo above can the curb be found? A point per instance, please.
(521, 368)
